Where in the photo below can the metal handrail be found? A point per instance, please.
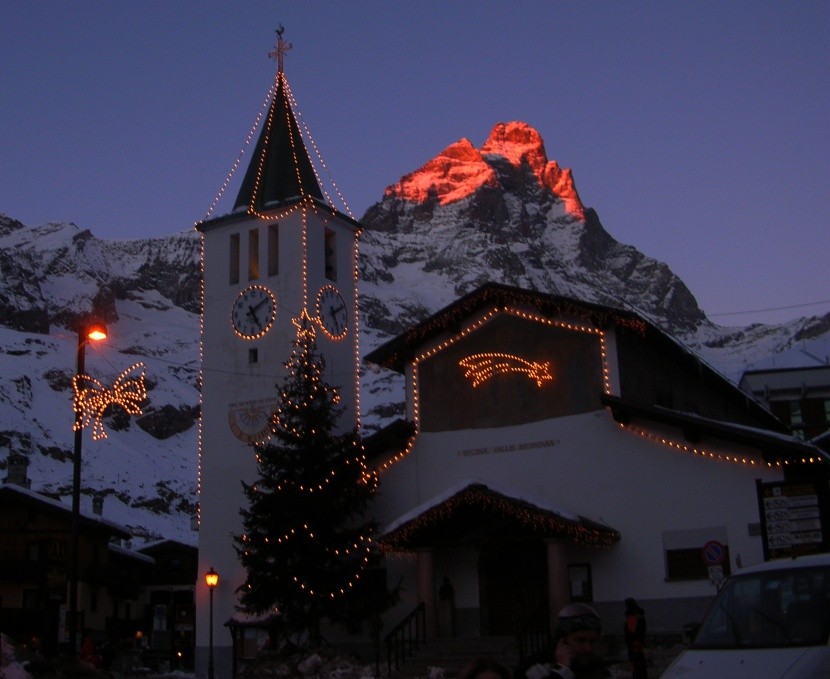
(405, 637)
(534, 636)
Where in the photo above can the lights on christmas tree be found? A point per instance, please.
(91, 402)
(479, 368)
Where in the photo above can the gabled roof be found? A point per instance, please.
(774, 446)
(473, 506)
(280, 169)
(20, 495)
(396, 352)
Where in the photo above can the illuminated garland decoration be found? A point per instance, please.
(369, 477)
(349, 584)
(581, 532)
(479, 368)
(341, 590)
(488, 316)
(91, 402)
(318, 310)
(546, 307)
(711, 455)
(221, 192)
(345, 551)
(293, 103)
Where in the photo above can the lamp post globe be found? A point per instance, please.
(88, 331)
(211, 580)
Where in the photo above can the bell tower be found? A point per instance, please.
(283, 251)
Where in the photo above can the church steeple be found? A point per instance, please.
(280, 169)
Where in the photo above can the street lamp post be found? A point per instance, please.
(86, 331)
(211, 580)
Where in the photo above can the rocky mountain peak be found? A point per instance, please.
(460, 170)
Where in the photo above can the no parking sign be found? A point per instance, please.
(713, 553)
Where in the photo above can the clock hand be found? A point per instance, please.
(253, 314)
(259, 304)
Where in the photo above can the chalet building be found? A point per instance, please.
(136, 599)
(35, 535)
(557, 451)
(798, 396)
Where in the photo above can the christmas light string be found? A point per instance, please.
(265, 105)
(310, 138)
(319, 314)
(311, 371)
(531, 517)
(479, 368)
(712, 455)
(472, 327)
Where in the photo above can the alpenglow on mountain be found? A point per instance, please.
(502, 212)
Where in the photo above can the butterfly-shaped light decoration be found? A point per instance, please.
(90, 402)
(479, 368)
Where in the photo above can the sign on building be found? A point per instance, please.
(793, 518)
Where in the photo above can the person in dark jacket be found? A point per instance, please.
(634, 631)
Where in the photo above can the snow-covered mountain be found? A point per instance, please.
(502, 212)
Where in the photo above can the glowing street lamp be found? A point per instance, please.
(211, 580)
(87, 331)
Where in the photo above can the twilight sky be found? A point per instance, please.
(697, 130)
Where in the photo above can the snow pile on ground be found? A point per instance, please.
(320, 663)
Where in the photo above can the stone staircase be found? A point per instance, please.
(451, 654)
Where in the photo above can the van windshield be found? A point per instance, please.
(788, 607)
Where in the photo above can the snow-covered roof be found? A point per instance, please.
(116, 528)
(532, 511)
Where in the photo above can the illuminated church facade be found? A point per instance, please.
(557, 451)
(552, 450)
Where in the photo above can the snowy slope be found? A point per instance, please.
(503, 212)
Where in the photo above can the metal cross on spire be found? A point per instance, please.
(280, 49)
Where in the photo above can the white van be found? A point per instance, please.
(768, 621)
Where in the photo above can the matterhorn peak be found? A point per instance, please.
(460, 170)
(517, 142)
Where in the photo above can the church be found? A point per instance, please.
(552, 450)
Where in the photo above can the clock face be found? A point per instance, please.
(332, 314)
(254, 312)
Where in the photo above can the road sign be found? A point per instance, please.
(716, 576)
(713, 553)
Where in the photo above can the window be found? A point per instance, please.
(684, 553)
(579, 576)
(233, 262)
(331, 255)
(273, 250)
(253, 254)
(769, 609)
(33, 551)
(253, 356)
(30, 600)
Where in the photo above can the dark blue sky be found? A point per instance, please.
(697, 130)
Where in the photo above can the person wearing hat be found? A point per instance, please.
(577, 630)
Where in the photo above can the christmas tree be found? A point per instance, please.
(308, 546)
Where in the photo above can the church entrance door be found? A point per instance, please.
(512, 580)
